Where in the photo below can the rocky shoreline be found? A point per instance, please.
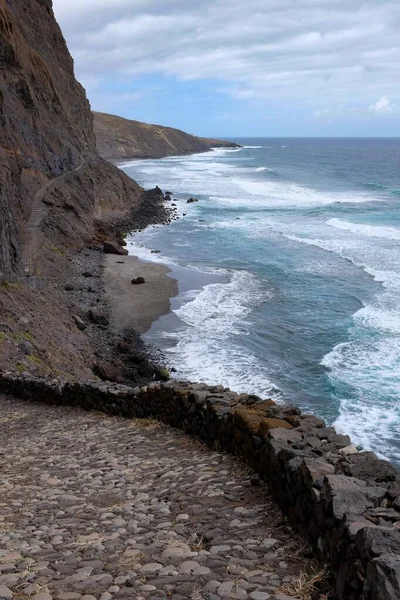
(122, 355)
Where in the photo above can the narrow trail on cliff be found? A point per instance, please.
(105, 507)
(38, 213)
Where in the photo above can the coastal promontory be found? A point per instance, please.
(119, 138)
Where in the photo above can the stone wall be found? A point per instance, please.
(343, 502)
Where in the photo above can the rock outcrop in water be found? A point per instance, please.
(123, 138)
(52, 180)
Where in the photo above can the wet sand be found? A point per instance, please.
(137, 306)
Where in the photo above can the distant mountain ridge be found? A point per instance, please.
(119, 138)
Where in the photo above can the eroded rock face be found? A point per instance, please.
(51, 177)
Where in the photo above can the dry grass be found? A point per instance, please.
(307, 583)
(145, 423)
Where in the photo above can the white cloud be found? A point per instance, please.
(313, 52)
(383, 106)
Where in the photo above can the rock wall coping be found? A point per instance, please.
(344, 502)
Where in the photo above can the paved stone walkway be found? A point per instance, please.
(97, 508)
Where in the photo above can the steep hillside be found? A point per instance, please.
(47, 143)
(123, 138)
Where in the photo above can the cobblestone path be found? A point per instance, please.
(97, 508)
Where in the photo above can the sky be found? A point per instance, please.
(241, 68)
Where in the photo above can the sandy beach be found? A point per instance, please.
(137, 306)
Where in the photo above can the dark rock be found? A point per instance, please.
(79, 323)
(108, 372)
(26, 348)
(168, 193)
(155, 251)
(373, 541)
(110, 247)
(138, 280)
(69, 287)
(98, 316)
(137, 358)
(146, 369)
(191, 200)
(348, 495)
(340, 441)
(87, 274)
(124, 347)
(367, 466)
(383, 578)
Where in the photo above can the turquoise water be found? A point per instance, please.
(305, 235)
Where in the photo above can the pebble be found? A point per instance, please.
(131, 510)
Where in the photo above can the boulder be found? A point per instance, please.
(348, 495)
(374, 541)
(87, 274)
(191, 200)
(162, 374)
(69, 287)
(124, 347)
(136, 359)
(110, 247)
(146, 369)
(108, 372)
(98, 316)
(138, 280)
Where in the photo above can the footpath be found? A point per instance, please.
(96, 507)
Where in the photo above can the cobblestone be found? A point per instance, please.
(103, 508)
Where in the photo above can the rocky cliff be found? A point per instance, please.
(123, 138)
(52, 180)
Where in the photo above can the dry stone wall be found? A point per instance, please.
(343, 502)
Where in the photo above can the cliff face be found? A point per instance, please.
(47, 143)
(122, 138)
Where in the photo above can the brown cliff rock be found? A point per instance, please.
(123, 138)
(51, 177)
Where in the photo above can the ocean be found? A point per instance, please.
(294, 253)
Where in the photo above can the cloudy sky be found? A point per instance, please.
(237, 68)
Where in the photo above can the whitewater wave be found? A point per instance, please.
(364, 374)
(390, 233)
(205, 346)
